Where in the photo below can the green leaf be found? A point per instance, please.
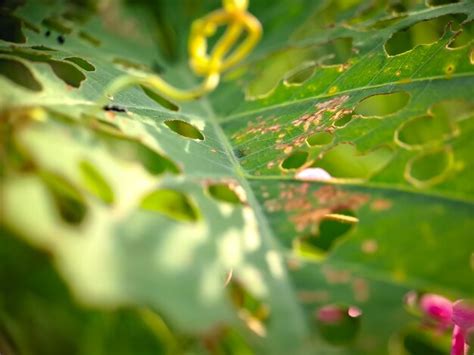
(202, 227)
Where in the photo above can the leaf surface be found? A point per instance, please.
(153, 205)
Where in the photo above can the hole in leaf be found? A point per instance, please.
(95, 183)
(223, 192)
(63, 70)
(339, 51)
(382, 104)
(160, 100)
(431, 168)
(465, 37)
(453, 110)
(330, 230)
(440, 124)
(57, 24)
(300, 75)
(171, 203)
(344, 161)
(341, 122)
(251, 310)
(133, 151)
(425, 130)
(68, 200)
(271, 70)
(295, 160)
(89, 38)
(320, 138)
(184, 129)
(423, 32)
(84, 64)
(29, 53)
(336, 326)
(19, 74)
(67, 73)
(10, 29)
(295, 65)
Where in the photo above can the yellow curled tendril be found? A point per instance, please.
(210, 66)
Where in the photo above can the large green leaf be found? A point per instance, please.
(151, 207)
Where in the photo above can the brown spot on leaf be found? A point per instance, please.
(369, 246)
(380, 205)
(311, 122)
(309, 218)
(292, 135)
(306, 210)
(340, 114)
(361, 290)
(332, 105)
(313, 296)
(295, 143)
(339, 199)
(295, 264)
(336, 276)
(110, 115)
(260, 126)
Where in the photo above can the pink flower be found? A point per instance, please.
(444, 314)
(458, 346)
(334, 314)
(463, 319)
(463, 315)
(330, 314)
(438, 309)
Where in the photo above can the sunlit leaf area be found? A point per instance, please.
(192, 177)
